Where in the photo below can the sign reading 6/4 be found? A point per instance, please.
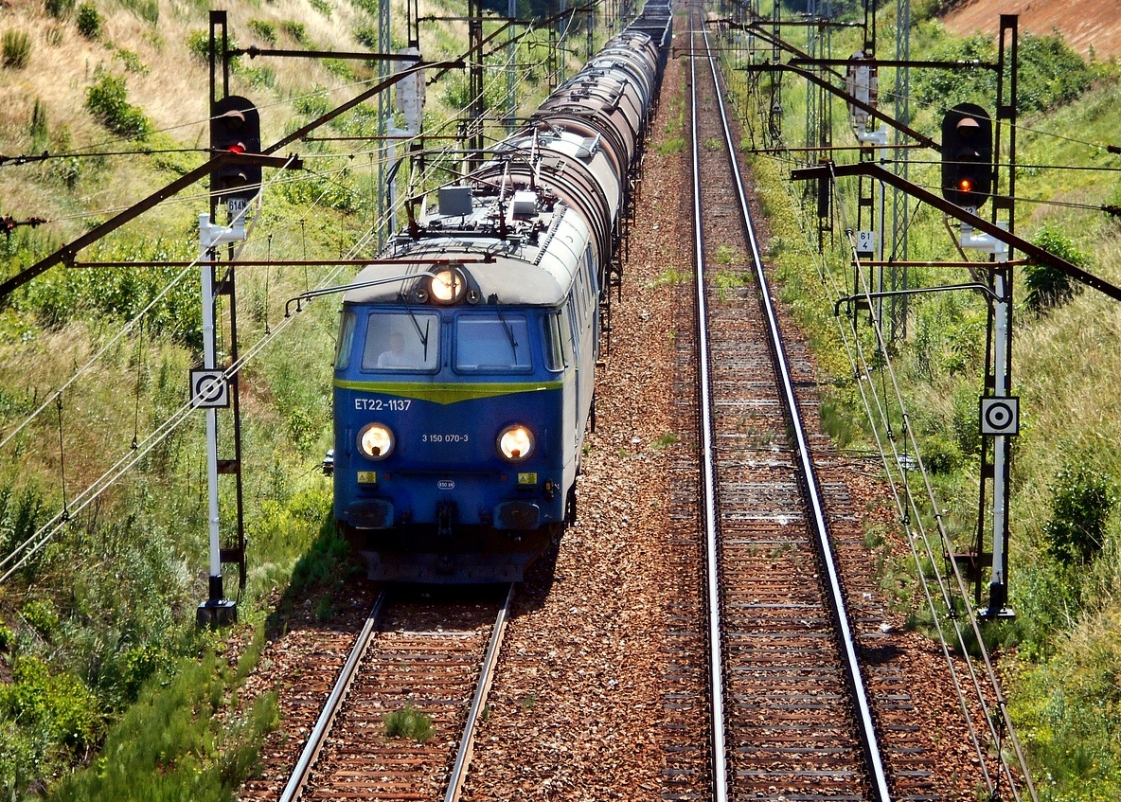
(1000, 416)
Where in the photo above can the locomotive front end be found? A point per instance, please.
(448, 460)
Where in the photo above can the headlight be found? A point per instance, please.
(515, 443)
(447, 286)
(376, 441)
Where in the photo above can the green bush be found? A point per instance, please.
(940, 453)
(964, 343)
(89, 21)
(16, 49)
(107, 100)
(922, 10)
(198, 45)
(1071, 709)
(263, 30)
(58, 706)
(38, 128)
(367, 36)
(147, 10)
(296, 30)
(59, 9)
(327, 192)
(966, 421)
(20, 516)
(68, 170)
(325, 566)
(120, 294)
(933, 87)
(1048, 287)
(170, 745)
(1051, 74)
(313, 104)
(41, 615)
(20, 763)
(1081, 502)
(131, 61)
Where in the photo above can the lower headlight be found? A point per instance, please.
(515, 443)
(376, 441)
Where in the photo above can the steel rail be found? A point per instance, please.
(708, 468)
(318, 737)
(323, 726)
(811, 487)
(486, 675)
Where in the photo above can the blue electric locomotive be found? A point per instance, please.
(465, 370)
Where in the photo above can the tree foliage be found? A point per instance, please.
(1050, 74)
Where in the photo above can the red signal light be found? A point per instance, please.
(238, 148)
(966, 185)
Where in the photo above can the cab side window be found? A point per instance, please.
(346, 341)
(572, 324)
(553, 333)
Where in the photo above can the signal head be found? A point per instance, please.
(967, 148)
(235, 127)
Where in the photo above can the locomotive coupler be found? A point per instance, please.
(445, 515)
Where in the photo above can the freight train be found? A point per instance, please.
(465, 371)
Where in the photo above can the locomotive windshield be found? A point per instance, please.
(401, 341)
(488, 343)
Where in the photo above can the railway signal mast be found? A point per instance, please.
(862, 85)
(970, 155)
(210, 390)
(971, 177)
(235, 170)
(235, 129)
(967, 181)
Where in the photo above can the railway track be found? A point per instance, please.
(792, 717)
(419, 659)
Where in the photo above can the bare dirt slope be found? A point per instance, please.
(1085, 24)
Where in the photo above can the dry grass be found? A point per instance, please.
(171, 91)
(105, 394)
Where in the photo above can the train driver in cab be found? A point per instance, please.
(396, 357)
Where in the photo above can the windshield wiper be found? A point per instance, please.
(421, 335)
(510, 336)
